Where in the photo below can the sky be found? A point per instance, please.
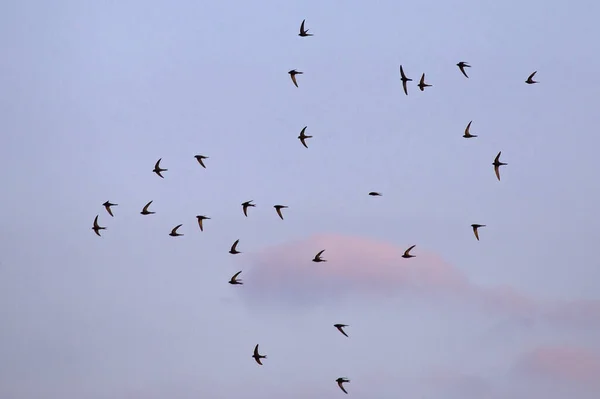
(92, 94)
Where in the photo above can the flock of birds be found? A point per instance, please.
(278, 208)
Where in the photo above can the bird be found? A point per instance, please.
(406, 253)
(233, 249)
(468, 134)
(340, 328)
(145, 211)
(530, 80)
(107, 205)
(293, 74)
(374, 194)
(462, 65)
(303, 136)
(245, 206)
(199, 158)
(158, 169)
(497, 165)
(404, 79)
(475, 227)
(257, 356)
(422, 84)
(234, 280)
(318, 257)
(340, 381)
(278, 208)
(304, 32)
(174, 232)
(97, 227)
(200, 219)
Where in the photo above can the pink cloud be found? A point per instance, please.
(564, 363)
(285, 274)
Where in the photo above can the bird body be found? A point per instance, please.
(278, 208)
(200, 219)
(407, 253)
(340, 328)
(303, 136)
(245, 206)
(404, 79)
(199, 158)
(374, 194)
(97, 227)
(174, 232)
(304, 32)
(158, 169)
(475, 227)
(258, 356)
(422, 84)
(145, 211)
(340, 381)
(530, 80)
(317, 257)
(468, 134)
(293, 74)
(233, 249)
(107, 205)
(462, 65)
(497, 165)
(234, 279)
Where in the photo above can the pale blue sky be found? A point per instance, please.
(93, 93)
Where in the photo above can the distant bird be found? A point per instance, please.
(468, 134)
(97, 227)
(257, 356)
(530, 80)
(340, 381)
(374, 194)
(497, 165)
(278, 208)
(475, 227)
(340, 328)
(462, 65)
(234, 280)
(422, 84)
(107, 205)
(293, 74)
(145, 211)
(406, 253)
(158, 169)
(200, 219)
(199, 158)
(303, 137)
(233, 249)
(404, 79)
(174, 232)
(318, 257)
(304, 32)
(245, 206)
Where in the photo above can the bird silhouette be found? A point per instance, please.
(303, 136)
(245, 206)
(475, 227)
(258, 356)
(97, 227)
(293, 74)
(530, 80)
(497, 165)
(199, 158)
(468, 134)
(303, 32)
(407, 254)
(233, 249)
(462, 65)
(200, 219)
(278, 208)
(422, 84)
(174, 232)
(374, 194)
(158, 169)
(340, 381)
(145, 211)
(107, 205)
(234, 279)
(404, 79)
(317, 257)
(340, 328)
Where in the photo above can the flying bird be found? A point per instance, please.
(293, 74)
(374, 194)
(468, 134)
(174, 232)
(245, 206)
(303, 137)
(200, 219)
(304, 32)
(406, 253)
(497, 165)
(145, 211)
(278, 208)
(107, 205)
(199, 158)
(462, 65)
(318, 257)
(530, 80)
(404, 79)
(233, 249)
(234, 279)
(475, 227)
(158, 169)
(340, 328)
(257, 356)
(422, 84)
(341, 381)
(97, 227)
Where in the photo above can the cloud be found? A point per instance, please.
(357, 266)
(562, 363)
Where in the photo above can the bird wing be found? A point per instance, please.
(146, 207)
(422, 81)
(475, 232)
(156, 166)
(234, 246)
(408, 250)
(303, 142)
(319, 254)
(109, 210)
(462, 69)
(402, 73)
(235, 275)
(497, 157)
(200, 224)
(96, 226)
(256, 350)
(404, 87)
(278, 209)
(467, 133)
(531, 76)
(302, 26)
(294, 79)
(497, 170)
(174, 231)
(340, 382)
